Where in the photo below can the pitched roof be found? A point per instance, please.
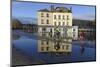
(57, 9)
(44, 10)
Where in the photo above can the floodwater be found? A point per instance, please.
(29, 45)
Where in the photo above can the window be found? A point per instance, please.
(47, 15)
(59, 17)
(42, 15)
(59, 23)
(47, 48)
(55, 23)
(42, 21)
(54, 16)
(73, 35)
(73, 29)
(47, 21)
(67, 47)
(43, 34)
(47, 42)
(51, 30)
(63, 23)
(63, 47)
(43, 29)
(63, 17)
(42, 48)
(67, 17)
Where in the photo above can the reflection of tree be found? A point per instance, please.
(15, 37)
(57, 33)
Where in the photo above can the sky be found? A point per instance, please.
(29, 10)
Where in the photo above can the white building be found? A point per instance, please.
(53, 20)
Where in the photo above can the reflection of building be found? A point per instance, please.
(56, 22)
(50, 46)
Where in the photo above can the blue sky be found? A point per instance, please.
(29, 10)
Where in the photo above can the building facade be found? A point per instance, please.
(56, 23)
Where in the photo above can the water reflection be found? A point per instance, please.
(56, 47)
(82, 48)
(15, 36)
(53, 51)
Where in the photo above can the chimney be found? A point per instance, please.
(52, 7)
(71, 9)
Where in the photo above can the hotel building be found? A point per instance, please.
(52, 20)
